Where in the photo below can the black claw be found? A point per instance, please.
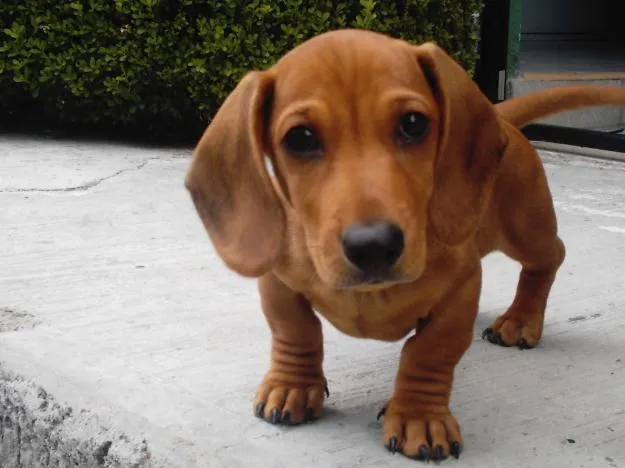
(275, 416)
(381, 413)
(500, 341)
(260, 410)
(493, 337)
(286, 419)
(454, 449)
(310, 415)
(327, 391)
(489, 335)
(424, 453)
(392, 444)
(439, 453)
(523, 344)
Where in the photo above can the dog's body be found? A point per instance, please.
(394, 176)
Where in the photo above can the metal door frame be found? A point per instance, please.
(500, 48)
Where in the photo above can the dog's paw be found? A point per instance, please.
(512, 329)
(420, 437)
(279, 402)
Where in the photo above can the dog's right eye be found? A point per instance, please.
(303, 141)
(413, 128)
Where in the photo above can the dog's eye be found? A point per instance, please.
(413, 127)
(303, 141)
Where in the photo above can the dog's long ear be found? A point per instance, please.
(471, 144)
(229, 183)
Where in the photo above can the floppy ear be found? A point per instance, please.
(471, 144)
(229, 183)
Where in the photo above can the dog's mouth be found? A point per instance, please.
(371, 282)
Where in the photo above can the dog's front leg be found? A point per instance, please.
(417, 419)
(292, 391)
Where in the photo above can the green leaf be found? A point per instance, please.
(15, 31)
(160, 64)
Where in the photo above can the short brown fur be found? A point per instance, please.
(474, 185)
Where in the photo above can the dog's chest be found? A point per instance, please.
(387, 315)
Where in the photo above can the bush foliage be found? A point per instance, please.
(166, 65)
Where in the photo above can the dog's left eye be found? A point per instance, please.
(303, 141)
(413, 127)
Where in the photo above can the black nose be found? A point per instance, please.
(374, 247)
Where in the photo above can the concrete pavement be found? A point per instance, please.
(125, 342)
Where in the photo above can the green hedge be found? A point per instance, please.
(165, 65)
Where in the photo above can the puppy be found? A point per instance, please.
(394, 176)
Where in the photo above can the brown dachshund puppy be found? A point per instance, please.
(394, 175)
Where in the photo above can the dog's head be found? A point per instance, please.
(375, 144)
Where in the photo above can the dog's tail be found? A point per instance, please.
(522, 110)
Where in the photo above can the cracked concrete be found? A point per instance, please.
(81, 187)
(125, 341)
(68, 168)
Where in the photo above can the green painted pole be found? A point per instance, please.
(514, 37)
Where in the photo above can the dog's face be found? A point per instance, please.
(355, 145)
(375, 144)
